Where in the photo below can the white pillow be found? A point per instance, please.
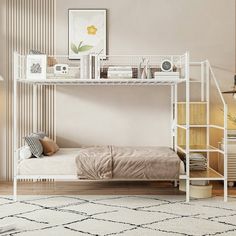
(25, 153)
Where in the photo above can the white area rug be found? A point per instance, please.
(118, 215)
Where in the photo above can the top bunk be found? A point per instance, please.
(41, 69)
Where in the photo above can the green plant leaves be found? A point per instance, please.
(85, 48)
(74, 48)
(80, 44)
(80, 48)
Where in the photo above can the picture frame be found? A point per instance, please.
(36, 66)
(87, 32)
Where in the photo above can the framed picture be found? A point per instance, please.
(36, 66)
(87, 32)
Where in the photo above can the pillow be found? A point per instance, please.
(49, 146)
(40, 134)
(25, 153)
(34, 144)
(35, 52)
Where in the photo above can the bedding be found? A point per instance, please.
(49, 146)
(110, 162)
(34, 144)
(25, 153)
(61, 163)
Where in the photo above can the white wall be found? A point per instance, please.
(140, 116)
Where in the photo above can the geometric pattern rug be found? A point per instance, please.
(104, 215)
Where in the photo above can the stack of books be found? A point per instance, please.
(120, 72)
(166, 75)
(197, 161)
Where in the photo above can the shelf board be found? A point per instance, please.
(208, 174)
(200, 148)
(74, 81)
(196, 102)
(201, 126)
(192, 126)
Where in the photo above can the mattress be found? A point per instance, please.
(61, 163)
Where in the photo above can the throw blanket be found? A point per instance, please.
(107, 162)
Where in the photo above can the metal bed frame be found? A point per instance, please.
(182, 61)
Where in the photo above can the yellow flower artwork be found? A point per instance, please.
(92, 29)
(87, 32)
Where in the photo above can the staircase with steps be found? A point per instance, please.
(194, 129)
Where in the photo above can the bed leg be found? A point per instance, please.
(187, 190)
(225, 190)
(15, 189)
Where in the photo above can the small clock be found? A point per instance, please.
(166, 66)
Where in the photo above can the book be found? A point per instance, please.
(119, 68)
(94, 69)
(161, 73)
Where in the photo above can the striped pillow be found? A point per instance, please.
(40, 134)
(34, 52)
(34, 144)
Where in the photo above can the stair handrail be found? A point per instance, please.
(225, 137)
(216, 82)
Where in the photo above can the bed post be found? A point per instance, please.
(187, 126)
(172, 119)
(175, 107)
(225, 153)
(174, 111)
(15, 176)
(15, 157)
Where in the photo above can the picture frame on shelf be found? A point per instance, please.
(87, 32)
(36, 66)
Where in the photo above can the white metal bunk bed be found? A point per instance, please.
(180, 61)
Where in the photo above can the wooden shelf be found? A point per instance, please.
(200, 148)
(192, 126)
(197, 113)
(208, 174)
(199, 102)
(183, 126)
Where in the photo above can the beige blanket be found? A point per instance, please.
(106, 162)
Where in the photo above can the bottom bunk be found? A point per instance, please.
(104, 163)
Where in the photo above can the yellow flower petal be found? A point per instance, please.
(92, 29)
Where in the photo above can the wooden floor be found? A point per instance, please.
(100, 188)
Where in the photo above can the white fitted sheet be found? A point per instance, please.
(61, 163)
